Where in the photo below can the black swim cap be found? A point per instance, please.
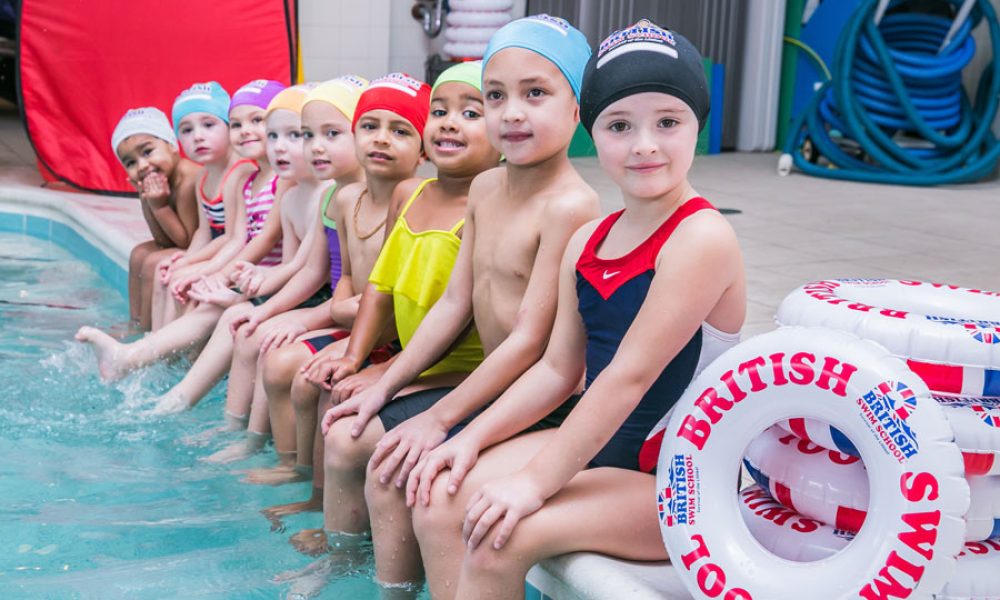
(644, 58)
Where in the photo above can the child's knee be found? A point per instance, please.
(342, 451)
(442, 516)
(280, 366)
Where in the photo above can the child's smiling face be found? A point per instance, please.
(645, 143)
(455, 137)
(142, 154)
(204, 137)
(247, 131)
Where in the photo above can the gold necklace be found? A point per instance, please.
(357, 209)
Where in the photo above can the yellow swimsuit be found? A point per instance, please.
(415, 267)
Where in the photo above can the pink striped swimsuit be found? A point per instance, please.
(258, 206)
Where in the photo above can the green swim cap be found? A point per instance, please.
(466, 72)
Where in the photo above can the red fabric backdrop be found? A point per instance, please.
(82, 64)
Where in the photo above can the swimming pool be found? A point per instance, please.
(98, 500)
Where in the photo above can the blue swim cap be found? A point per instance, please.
(552, 37)
(209, 97)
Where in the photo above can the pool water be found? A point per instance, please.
(98, 500)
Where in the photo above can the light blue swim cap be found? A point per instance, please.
(552, 37)
(208, 97)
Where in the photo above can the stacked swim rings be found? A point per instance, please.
(471, 24)
(870, 424)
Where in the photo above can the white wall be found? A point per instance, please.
(365, 37)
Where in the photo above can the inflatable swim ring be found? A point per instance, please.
(949, 335)
(917, 477)
(832, 487)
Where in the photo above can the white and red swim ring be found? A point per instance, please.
(831, 376)
(833, 487)
(795, 537)
(949, 335)
(975, 421)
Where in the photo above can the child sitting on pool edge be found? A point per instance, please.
(146, 146)
(638, 320)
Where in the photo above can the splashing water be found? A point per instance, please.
(97, 498)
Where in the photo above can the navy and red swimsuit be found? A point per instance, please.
(611, 291)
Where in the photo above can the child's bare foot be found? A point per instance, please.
(109, 352)
(170, 403)
(310, 580)
(240, 450)
(279, 475)
(275, 514)
(203, 438)
(311, 542)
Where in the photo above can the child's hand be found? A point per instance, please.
(509, 498)
(167, 266)
(320, 370)
(459, 454)
(233, 273)
(181, 282)
(399, 450)
(154, 189)
(365, 406)
(212, 290)
(248, 278)
(280, 335)
(357, 383)
(247, 323)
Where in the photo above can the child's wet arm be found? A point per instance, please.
(550, 381)
(170, 224)
(257, 248)
(533, 324)
(155, 229)
(374, 316)
(293, 281)
(682, 294)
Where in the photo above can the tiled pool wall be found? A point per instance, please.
(53, 229)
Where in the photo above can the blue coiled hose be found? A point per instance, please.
(890, 78)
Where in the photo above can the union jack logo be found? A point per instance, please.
(986, 335)
(901, 396)
(663, 506)
(989, 416)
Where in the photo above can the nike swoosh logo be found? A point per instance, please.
(610, 275)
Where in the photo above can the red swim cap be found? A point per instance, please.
(399, 93)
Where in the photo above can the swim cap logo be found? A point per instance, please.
(676, 503)
(137, 113)
(560, 25)
(644, 35)
(254, 87)
(398, 81)
(352, 81)
(198, 91)
(986, 332)
(887, 409)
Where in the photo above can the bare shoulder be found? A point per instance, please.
(190, 171)
(577, 203)
(484, 186)
(403, 190)
(345, 197)
(707, 232)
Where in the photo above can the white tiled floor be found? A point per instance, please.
(793, 229)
